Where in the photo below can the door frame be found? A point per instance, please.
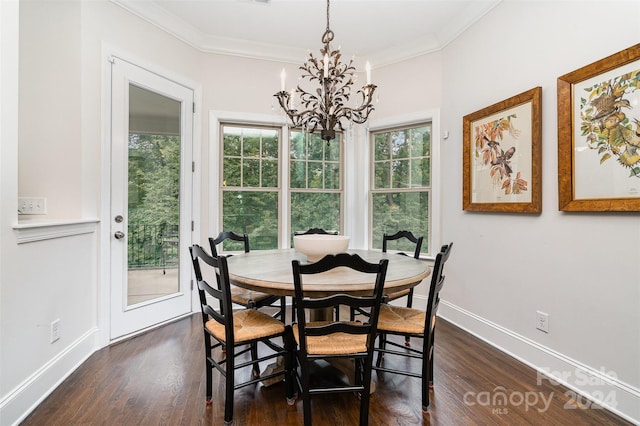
(103, 309)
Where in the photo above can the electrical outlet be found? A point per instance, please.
(32, 205)
(55, 330)
(542, 321)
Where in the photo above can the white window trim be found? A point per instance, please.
(215, 120)
(433, 116)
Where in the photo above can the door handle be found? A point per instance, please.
(119, 235)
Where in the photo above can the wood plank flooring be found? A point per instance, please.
(158, 379)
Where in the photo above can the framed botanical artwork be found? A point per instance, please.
(502, 164)
(599, 135)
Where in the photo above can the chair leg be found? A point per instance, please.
(208, 369)
(229, 383)
(255, 372)
(306, 397)
(366, 395)
(289, 364)
(431, 356)
(430, 370)
(382, 343)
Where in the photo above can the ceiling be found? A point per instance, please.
(380, 31)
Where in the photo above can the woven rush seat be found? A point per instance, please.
(248, 324)
(242, 296)
(401, 320)
(334, 343)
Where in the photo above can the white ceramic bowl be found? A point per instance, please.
(317, 246)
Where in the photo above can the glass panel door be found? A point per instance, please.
(154, 196)
(151, 193)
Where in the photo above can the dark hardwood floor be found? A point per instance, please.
(158, 379)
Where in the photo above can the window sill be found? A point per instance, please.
(28, 231)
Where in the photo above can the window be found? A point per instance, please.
(401, 183)
(250, 184)
(315, 182)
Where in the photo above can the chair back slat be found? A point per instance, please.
(406, 235)
(228, 235)
(437, 283)
(371, 302)
(222, 294)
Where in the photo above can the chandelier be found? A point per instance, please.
(326, 108)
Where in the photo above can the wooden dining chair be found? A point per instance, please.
(398, 236)
(241, 296)
(409, 322)
(311, 231)
(405, 237)
(327, 340)
(238, 332)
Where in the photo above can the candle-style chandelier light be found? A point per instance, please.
(327, 108)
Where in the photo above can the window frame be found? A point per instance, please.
(422, 118)
(340, 190)
(283, 189)
(220, 172)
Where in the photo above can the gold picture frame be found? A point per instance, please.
(502, 156)
(599, 135)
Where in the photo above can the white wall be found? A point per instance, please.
(583, 269)
(49, 107)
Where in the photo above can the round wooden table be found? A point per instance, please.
(269, 271)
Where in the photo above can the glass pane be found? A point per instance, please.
(298, 178)
(316, 148)
(298, 150)
(420, 172)
(231, 141)
(400, 176)
(251, 144)
(421, 141)
(382, 172)
(332, 150)
(153, 212)
(381, 146)
(315, 175)
(400, 144)
(253, 213)
(269, 174)
(251, 173)
(231, 171)
(314, 210)
(393, 212)
(270, 145)
(332, 176)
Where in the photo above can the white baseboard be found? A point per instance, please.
(586, 384)
(18, 403)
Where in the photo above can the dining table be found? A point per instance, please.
(270, 271)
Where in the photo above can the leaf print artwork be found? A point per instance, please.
(492, 155)
(501, 156)
(609, 122)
